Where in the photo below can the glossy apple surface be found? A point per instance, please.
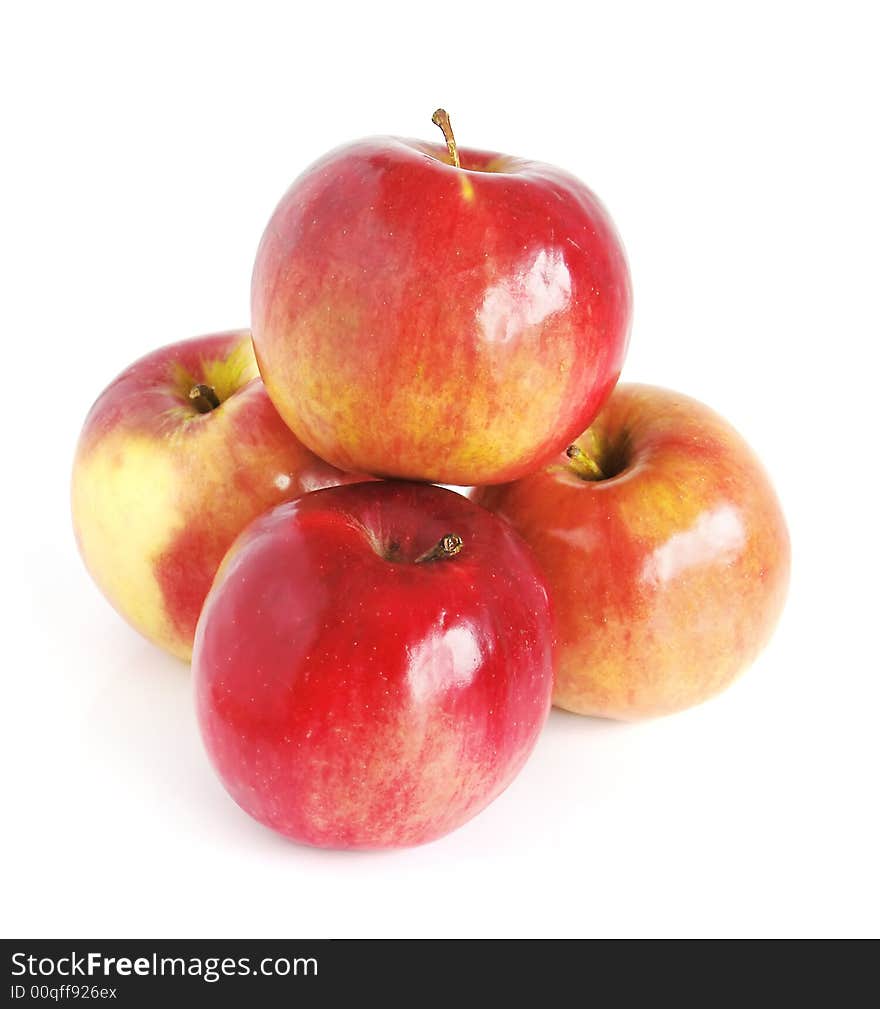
(458, 325)
(669, 574)
(161, 489)
(352, 695)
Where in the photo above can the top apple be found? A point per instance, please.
(440, 314)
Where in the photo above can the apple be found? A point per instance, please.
(665, 549)
(373, 664)
(176, 457)
(438, 313)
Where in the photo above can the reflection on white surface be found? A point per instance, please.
(525, 299)
(717, 535)
(446, 659)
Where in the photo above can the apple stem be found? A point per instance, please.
(449, 546)
(203, 398)
(441, 119)
(584, 465)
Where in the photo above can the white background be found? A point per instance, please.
(736, 148)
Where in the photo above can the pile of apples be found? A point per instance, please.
(375, 656)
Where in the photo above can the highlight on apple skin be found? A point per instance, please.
(665, 549)
(441, 314)
(373, 665)
(178, 454)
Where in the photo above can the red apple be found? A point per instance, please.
(665, 549)
(373, 665)
(418, 319)
(177, 456)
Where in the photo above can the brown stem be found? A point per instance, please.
(441, 119)
(203, 398)
(584, 465)
(449, 546)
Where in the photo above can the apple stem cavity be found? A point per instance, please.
(203, 398)
(449, 546)
(441, 119)
(584, 465)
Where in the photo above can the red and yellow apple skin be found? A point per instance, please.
(160, 490)
(457, 325)
(669, 575)
(351, 695)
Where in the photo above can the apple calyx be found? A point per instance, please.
(203, 398)
(449, 546)
(441, 119)
(584, 465)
